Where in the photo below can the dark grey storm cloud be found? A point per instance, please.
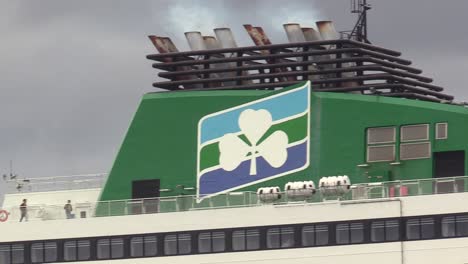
(72, 72)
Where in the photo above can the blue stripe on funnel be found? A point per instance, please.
(280, 107)
(220, 180)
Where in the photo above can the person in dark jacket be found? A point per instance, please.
(68, 209)
(24, 210)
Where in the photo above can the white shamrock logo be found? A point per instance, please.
(253, 124)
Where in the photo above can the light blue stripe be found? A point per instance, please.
(280, 107)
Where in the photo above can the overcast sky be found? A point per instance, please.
(72, 72)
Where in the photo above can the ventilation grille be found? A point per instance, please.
(415, 132)
(415, 151)
(380, 153)
(441, 130)
(381, 135)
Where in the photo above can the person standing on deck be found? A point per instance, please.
(68, 209)
(24, 210)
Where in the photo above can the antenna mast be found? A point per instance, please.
(359, 32)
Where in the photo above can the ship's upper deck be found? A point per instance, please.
(366, 192)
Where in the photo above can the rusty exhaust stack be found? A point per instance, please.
(328, 32)
(165, 45)
(259, 37)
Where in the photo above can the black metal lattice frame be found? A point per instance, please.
(332, 66)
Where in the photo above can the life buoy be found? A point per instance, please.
(4, 215)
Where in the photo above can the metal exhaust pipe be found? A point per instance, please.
(294, 32)
(225, 38)
(210, 42)
(195, 40)
(328, 32)
(311, 34)
(165, 45)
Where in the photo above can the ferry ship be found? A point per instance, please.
(326, 149)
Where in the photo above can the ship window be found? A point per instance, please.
(379, 135)
(76, 250)
(117, 246)
(441, 131)
(211, 242)
(246, 239)
(414, 132)
(110, 248)
(385, 231)
(380, 153)
(349, 233)
(314, 235)
(103, 249)
(136, 247)
(420, 228)
(462, 225)
(43, 252)
(448, 226)
(280, 237)
(415, 151)
(5, 254)
(177, 244)
(17, 254)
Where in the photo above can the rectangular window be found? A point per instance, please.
(50, 252)
(462, 225)
(357, 232)
(151, 246)
(246, 239)
(414, 132)
(392, 230)
(170, 245)
(378, 231)
(177, 244)
(5, 254)
(412, 229)
(420, 228)
(448, 226)
(37, 252)
(441, 131)
(43, 252)
(136, 247)
(238, 240)
(349, 233)
(117, 248)
(427, 228)
(411, 151)
(314, 235)
(380, 153)
(17, 254)
(455, 226)
(103, 249)
(273, 238)
(321, 234)
(143, 246)
(342, 233)
(69, 250)
(211, 242)
(84, 249)
(380, 135)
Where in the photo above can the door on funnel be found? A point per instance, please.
(449, 164)
(145, 195)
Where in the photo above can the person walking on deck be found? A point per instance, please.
(24, 210)
(68, 209)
